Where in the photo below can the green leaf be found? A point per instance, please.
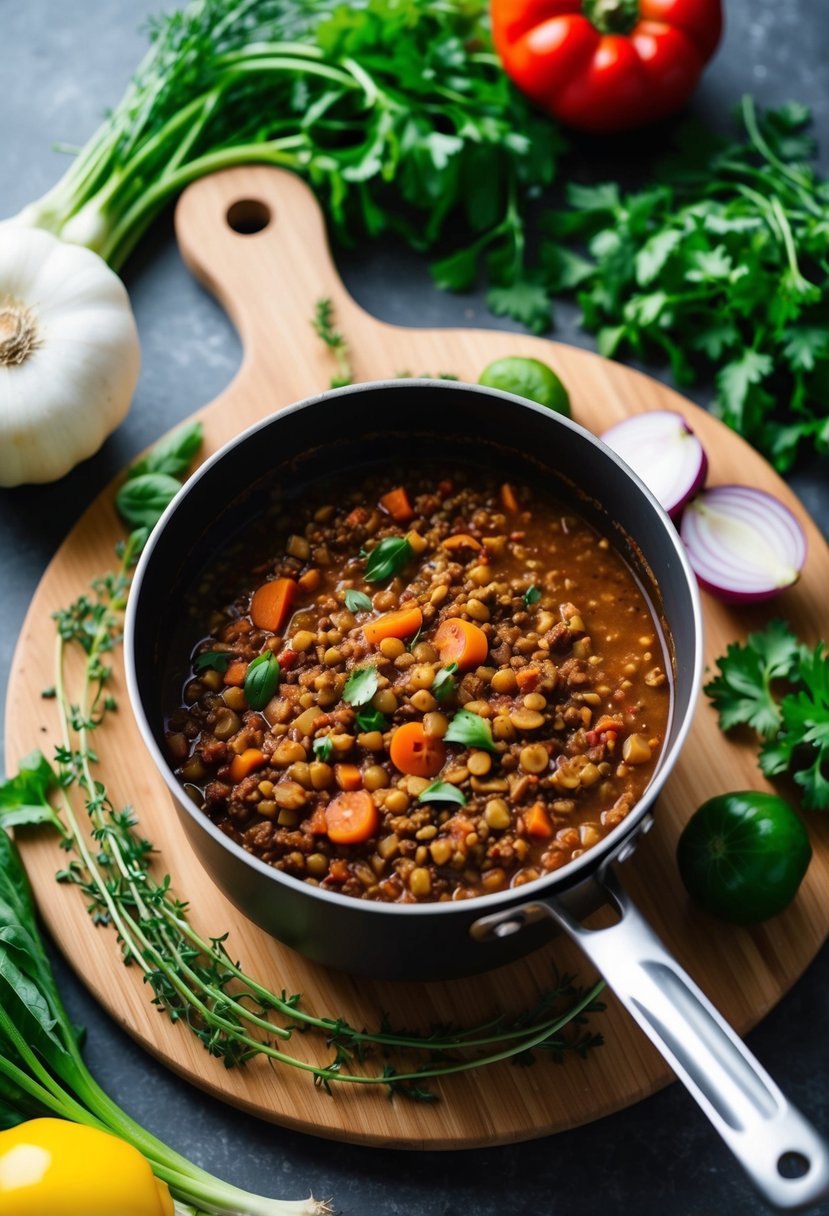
(531, 596)
(806, 345)
(737, 377)
(361, 686)
(172, 455)
(262, 680)
(442, 791)
(457, 271)
(444, 682)
(322, 748)
(525, 301)
(654, 254)
(741, 692)
(357, 601)
(24, 798)
(142, 500)
(470, 730)
(603, 197)
(216, 660)
(387, 559)
(715, 337)
(709, 266)
(609, 339)
(371, 719)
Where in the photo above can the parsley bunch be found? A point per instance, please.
(721, 266)
(780, 687)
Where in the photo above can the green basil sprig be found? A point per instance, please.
(261, 680)
(442, 791)
(443, 684)
(357, 601)
(387, 559)
(531, 596)
(361, 686)
(323, 747)
(215, 660)
(470, 730)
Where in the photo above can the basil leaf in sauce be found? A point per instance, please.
(216, 660)
(360, 686)
(323, 748)
(531, 596)
(387, 559)
(357, 601)
(443, 684)
(371, 719)
(442, 791)
(470, 730)
(261, 680)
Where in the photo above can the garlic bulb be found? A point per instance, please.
(69, 354)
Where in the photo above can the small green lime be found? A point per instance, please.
(527, 378)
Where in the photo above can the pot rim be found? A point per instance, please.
(571, 874)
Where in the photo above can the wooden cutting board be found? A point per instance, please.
(255, 237)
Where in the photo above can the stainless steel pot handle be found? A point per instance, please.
(785, 1157)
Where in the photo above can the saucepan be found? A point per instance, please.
(431, 424)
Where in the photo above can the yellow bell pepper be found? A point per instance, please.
(51, 1167)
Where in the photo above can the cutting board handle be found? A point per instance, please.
(255, 237)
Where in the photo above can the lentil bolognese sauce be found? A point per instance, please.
(422, 691)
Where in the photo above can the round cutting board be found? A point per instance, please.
(256, 238)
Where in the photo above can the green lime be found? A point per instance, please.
(527, 378)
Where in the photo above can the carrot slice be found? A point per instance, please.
(413, 752)
(401, 624)
(537, 821)
(461, 642)
(508, 499)
(348, 776)
(236, 672)
(396, 502)
(310, 580)
(461, 540)
(271, 604)
(526, 678)
(351, 817)
(246, 762)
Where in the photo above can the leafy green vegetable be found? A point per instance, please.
(142, 500)
(217, 660)
(335, 340)
(361, 686)
(357, 601)
(531, 596)
(24, 798)
(323, 747)
(470, 730)
(398, 114)
(442, 791)
(173, 454)
(780, 687)
(722, 267)
(371, 719)
(444, 682)
(261, 680)
(387, 559)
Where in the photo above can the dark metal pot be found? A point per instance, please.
(436, 424)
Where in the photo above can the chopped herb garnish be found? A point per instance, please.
(357, 601)
(216, 660)
(531, 596)
(414, 641)
(442, 791)
(361, 686)
(470, 730)
(261, 680)
(371, 719)
(323, 748)
(443, 684)
(387, 559)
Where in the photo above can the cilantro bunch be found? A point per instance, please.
(780, 688)
(721, 267)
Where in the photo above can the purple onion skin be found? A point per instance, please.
(676, 511)
(743, 597)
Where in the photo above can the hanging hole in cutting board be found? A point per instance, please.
(793, 1165)
(248, 216)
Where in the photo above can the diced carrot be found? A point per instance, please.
(527, 678)
(316, 824)
(461, 642)
(396, 502)
(246, 762)
(287, 659)
(508, 499)
(606, 723)
(236, 672)
(352, 817)
(461, 540)
(356, 517)
(413, 752)
(271, 604)
(348, 776)
(310, 580)
(338, 870)
(401, 624)
(537, 821)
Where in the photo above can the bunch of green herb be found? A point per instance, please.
(397, 113)
(721, 266)
(779, 687)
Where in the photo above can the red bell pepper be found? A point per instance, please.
(606, 65)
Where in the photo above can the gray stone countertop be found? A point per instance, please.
(61, 66)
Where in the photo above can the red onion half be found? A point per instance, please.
(742, 543)
(663, 450)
